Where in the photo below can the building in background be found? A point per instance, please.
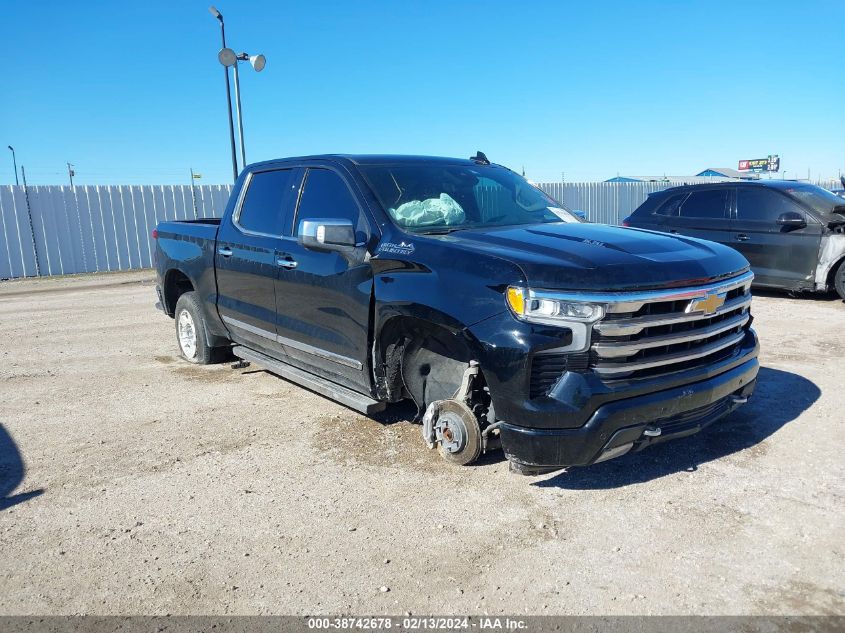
(727, 172)
(623, 179)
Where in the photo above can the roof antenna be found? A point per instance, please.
(480, 158)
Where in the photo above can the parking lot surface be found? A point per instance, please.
(132, 482)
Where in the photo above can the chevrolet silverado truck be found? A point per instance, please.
(458, 285)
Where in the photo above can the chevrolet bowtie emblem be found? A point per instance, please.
(707, 305)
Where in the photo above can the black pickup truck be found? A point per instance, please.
(460, 286)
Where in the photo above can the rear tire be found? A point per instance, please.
(839, 280)
(190, 331)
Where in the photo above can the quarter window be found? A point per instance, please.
(672, 206)
(757, 204)
(709, 203)
(266, 207)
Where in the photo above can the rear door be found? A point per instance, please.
(779, 255)
(246, 260)
(703, 214)
(323, 298)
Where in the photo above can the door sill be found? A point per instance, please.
(352, 399)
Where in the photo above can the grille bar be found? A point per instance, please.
(614, 369)
(615, 349)
(634, 325)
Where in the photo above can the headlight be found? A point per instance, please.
(554, 309)
(544, 307)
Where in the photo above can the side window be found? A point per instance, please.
(326, 196)
(266, 207)
(709, 203)
(672, 206)
(757, 204)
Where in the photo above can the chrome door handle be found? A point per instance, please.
(287, 263)
(225, 251)
(742, 237)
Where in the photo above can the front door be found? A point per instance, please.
(780, 256)
(323, 298)
(246, 261)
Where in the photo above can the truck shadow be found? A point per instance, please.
(12, 472)
(779, 398)
(821, 297)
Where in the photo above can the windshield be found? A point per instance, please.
(440, 198)
(820, 200)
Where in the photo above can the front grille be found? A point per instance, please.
(693, 418)
(660, 332)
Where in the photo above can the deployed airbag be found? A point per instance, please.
(442, 211)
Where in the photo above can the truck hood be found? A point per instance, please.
(574, 256)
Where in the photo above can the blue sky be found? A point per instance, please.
(133, 92)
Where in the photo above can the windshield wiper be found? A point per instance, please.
(442, 231)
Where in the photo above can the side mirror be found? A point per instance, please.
(792, 220)
(327, 235)
(579, 213)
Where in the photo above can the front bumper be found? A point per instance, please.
(630, 424)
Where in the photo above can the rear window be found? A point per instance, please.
(266, 208)
(709, 203)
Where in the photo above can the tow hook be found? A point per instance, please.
(739, 399)
(652, 431)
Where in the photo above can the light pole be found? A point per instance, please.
(219, 17)
(14, 163)
(227, 57)
(70, 173)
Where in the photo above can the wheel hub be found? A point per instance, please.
(451, 432)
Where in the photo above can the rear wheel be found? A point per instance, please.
(839, 280)
(190, 331)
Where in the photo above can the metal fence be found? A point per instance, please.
(604, 202)
(60, 230)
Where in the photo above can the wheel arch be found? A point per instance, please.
(834, 268)
(176, 283)
(439, 350)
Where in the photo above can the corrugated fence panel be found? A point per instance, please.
(61, 230)
(101, 228)
(606, 202)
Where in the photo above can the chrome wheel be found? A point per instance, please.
(187, 334)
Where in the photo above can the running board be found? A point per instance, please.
(347, 397)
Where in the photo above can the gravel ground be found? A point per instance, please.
(131, 482)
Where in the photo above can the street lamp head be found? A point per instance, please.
(258, 62)
(11, 148)
(213, 11)
(227, 57)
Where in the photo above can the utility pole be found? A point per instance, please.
(219, 17)
(70, 173)
(14, 163)
(193, 195)
(31, 225)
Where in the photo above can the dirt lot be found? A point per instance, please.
(131, 482)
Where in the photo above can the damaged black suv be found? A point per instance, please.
(792, 233)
